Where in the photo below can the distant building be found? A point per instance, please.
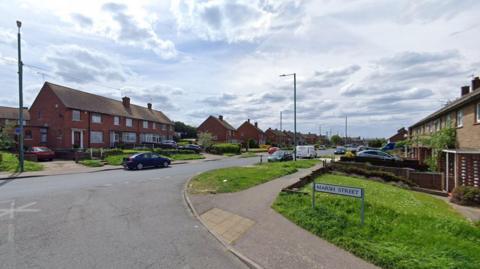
(401, 135)
(220, 129)
(275, 137)
(248, 131)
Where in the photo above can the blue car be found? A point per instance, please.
(141, 160)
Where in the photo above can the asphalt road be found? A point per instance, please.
(110, 219)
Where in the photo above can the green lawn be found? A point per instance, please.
(186, 157)
(92, 163)
(239, 178)
(116, 159)
(248, 154)
(9, 163)
(403, 229)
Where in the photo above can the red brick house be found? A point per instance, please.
(311, 139)
(220, 129)
(275, 137)
(461, 164)
(401, 135)
(69, 118)
(248, 131)
(9, 116)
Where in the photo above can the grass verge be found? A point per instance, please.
(186, 157)
(10, 163)
(116, 159)
(248, 154)
(239, 178)
(403, 229)
(91, 163)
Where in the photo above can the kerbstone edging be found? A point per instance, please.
(249, 262)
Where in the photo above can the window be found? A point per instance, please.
(145, 124)
(116, 120)
(449, 120)
(75, 115)
(164, 127)
(154, 126)
(478, 113)
(96, 118)
(460, 118)
(437, 125)
(96, 137)
(43, 135)
(28, 134)
(128, 122)
(129, 137)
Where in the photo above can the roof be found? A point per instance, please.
(80, 100)
(11, 113)
(275, 132)
(252, 125)
(467, 98)
(224, 123)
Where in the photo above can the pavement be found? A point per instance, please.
(108, 219)
(270, 240)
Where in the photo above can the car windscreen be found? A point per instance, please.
(277, 153)
(40, 149)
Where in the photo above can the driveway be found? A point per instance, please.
(109, 219)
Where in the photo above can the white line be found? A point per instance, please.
(11, 226)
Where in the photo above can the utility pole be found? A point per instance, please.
(346, 135)
(20, 97)
(280, 121)
(294, 112)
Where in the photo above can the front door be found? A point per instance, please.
(77, 139)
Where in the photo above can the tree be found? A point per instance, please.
(186, 130)
(377, 142)
(205, 140)
(6, 140)
(443, 139)
(336, 139)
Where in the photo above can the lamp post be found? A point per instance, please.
(294, 112)
(20, 99)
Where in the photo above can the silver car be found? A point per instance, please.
(377, 154)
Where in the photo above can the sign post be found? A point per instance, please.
(340, 190)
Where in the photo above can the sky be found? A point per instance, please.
(383, 64)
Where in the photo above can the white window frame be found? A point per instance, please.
(478, 113)
(128, 122)
(129, 137)
(116, 120)
(460, 118)
(43, 135)
(74, 113)
(145, 124)
(96, 137)
(96, 118)
(164, 127)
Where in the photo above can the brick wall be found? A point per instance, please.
(468, 136)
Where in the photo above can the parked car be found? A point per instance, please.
(141, 160)
(193, 147)
(42, 153)
(169, 144)
(322, 147)
(362, 148)
(271, 150)
(340, 151)
(389, 146)
(378, 154)
(306, 152)
(280, 156)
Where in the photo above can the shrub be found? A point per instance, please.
(349, 154)
(225, 148)
(369, 172)
(466, 195)
(110, 152)
(169, 152)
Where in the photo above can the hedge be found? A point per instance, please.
(466, 195)
(225, 148)
(387, 176)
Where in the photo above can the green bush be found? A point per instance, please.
(369, 172)
(466, 195)
(110, 152)
(225, 148)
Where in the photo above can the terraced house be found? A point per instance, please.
(70, 118)
(462, 164)
(219, 128)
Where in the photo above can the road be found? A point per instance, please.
(110, 219)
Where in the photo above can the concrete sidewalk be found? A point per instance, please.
(272, 241)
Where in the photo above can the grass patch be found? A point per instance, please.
(403, 229)
(186, 157)
(116, 159)
(239, 178)
(10, 163)
(229, 154)
(91, 163)
(248, 154)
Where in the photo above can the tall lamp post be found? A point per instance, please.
(20, 99)
(294, 112)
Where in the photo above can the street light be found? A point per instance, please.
(294, 112)
(20, 99)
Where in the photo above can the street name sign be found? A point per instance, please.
(340, 190)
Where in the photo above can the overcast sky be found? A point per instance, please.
(385, 64)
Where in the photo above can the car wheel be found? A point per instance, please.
(165, 164)
(139, 166)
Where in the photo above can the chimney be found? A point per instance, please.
(248, 120)
(220, 117)
(256, 124)
(126, 101)
(475, 83)
(149, 105)
(465, 89)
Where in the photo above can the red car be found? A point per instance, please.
(42, 153)
(271, 150)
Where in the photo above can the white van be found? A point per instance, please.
(307, 151)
